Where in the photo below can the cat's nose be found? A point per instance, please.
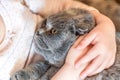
(37, 33)
(40, 31)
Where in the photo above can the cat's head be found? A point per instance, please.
(56, 31)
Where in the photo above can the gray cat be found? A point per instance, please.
(53, 39)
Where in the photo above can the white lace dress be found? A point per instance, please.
(20, 26)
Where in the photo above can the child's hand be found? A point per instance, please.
(68, 70)
(102, 53)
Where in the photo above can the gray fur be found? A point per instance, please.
(50, 47)
(53, 39)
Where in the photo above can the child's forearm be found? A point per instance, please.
(68, 72)
(49, 7)
(65, 73)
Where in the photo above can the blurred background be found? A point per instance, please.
(110, 8)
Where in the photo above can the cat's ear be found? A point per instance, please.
(79, 29)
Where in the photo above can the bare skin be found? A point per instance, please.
(100, 43)
(104, 36)
(100, 37)
(85, 50)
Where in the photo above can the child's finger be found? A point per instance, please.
(89, 38)
(92, 67)
(91, 54)
(101, 68)
(76, 43)
(110, 62)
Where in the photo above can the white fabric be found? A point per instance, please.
(20, 26)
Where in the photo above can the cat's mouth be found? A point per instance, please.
(39, 42)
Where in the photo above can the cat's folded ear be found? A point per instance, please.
(82, 25)
(79, 29)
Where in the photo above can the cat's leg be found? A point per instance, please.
(32, 72)
(50, 73)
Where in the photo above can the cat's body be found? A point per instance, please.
(53, 39)
(44, 70)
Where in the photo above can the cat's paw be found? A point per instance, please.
(20, 75)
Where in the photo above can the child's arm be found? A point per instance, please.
(91, 53)
(103, 50)
(48, 7)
